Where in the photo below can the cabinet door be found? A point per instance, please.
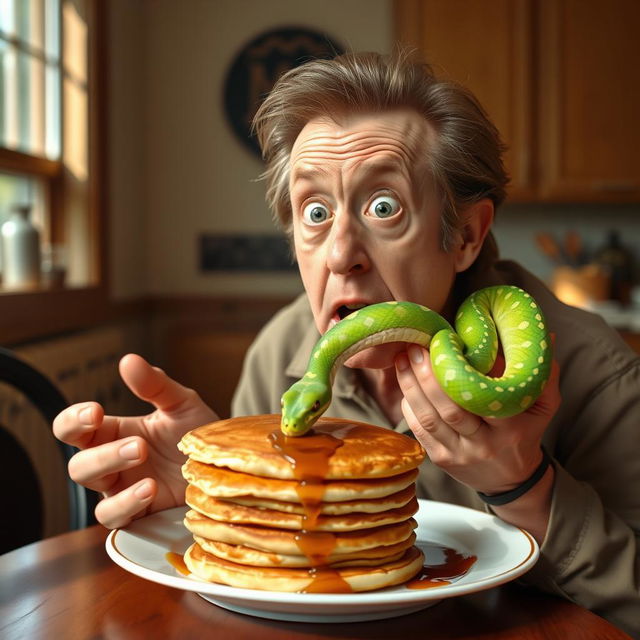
(487, 47)
(589, 100)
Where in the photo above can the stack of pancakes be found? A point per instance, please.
(330, 511)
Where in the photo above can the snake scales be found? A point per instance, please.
(460, 358)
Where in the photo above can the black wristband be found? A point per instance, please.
(498, 499)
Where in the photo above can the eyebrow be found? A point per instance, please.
(310, 174)
(375, 166)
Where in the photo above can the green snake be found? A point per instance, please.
(460, 359)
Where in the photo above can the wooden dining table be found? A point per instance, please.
(66, 587)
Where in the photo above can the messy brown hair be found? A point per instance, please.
(465, 162)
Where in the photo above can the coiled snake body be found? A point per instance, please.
(460, 358)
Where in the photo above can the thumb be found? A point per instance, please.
(153, 385)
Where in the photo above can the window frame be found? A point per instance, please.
(30, 315)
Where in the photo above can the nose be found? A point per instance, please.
(348, 252)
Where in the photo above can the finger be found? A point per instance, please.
(76, 425)
(422, 415)
(153, 385)
(459, 420)
(98, 467)
(123, 507)
(549, 400)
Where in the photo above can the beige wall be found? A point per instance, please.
(176, 169)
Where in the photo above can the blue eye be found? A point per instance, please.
(384, 207)
(315, 213)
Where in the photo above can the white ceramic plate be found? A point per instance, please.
(503, 553)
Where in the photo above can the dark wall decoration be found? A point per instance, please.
(260, 63)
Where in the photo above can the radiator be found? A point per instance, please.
(83, 366)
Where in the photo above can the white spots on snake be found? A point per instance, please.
(495, 406)
(508, 295)
(515, 304)
(523, 325)
(540, 359)
(540, 325)
(518, 365)
(536, 371)
(522, 385)
(533, 305)
(483, 385)
(353, 315)
(525, 402)
(468, 329)
(440, 358)
(324, 344)
(368, 322)
(450, 375)
(310, 374)
(530, 378)
(316, 353)
(511, 389)
(538, 316)
(435, 343)
(460, 357)
(499, 389)
(392, 302)
(400, 311)
(467, 368)
(467, 395)
(543, 344)
(526, 344)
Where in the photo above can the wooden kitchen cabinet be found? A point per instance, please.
(558, 77)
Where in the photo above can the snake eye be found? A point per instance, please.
(316, 405)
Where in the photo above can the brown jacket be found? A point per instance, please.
(590, 553)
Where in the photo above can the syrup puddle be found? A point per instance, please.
(454, 566)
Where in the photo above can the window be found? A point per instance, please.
(48, 146)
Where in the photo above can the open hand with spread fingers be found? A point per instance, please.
(133, 461)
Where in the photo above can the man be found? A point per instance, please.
(387, 180)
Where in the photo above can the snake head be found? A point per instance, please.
(302, 404)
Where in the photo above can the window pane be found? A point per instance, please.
(10, 107)
(30, 104)
(52, 112)
(30, 93)
(52, 30)
(7, 17)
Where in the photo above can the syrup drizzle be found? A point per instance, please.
(176, 560)
(455, 566)
(309, 457)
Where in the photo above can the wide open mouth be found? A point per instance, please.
(345, 309)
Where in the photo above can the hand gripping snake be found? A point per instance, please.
(460, 359)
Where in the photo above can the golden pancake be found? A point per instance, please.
(376, 505)
(224, 483)
(246, 555)
(351, 579)
(256, 445)
(239, 514)
(288, 542)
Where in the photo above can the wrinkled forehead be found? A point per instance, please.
(400, 138)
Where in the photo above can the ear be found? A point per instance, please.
(476, 222)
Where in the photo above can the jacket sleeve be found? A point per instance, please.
(590, 553)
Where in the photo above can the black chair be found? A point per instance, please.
(21, 496)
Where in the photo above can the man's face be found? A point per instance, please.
(366, 218)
